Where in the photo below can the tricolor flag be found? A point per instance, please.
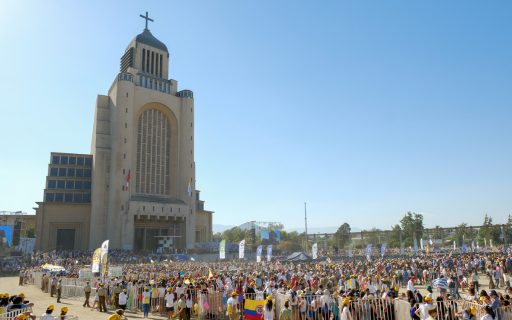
(253, 309)
(128, 178)
(189, 188)
(210, 273)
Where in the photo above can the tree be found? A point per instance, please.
(490, 231)
(342, 236)
(394, 238)
(412, 228)
(438, 234)
(463, 233)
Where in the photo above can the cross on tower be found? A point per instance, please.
(147, 18)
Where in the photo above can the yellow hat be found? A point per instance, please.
(22, 317)
(269, 298)
(21, 295)
(64, 310)
(50, 307)
(472, 310)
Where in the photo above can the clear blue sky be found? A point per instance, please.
(364, 109)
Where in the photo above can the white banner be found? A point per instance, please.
(104, 247)
(222, 249)
(421, 243)
(241, 249)
(115, 271)
(258, 253)
(314, 251)
(269, 253)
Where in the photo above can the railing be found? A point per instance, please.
(13, 314)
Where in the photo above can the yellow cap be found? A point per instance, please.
(64, 309)
(472, 310)
(50, 307)
(21, 295)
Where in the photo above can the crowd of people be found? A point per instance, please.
(337, 289)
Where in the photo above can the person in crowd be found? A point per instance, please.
(48, 313)
(87, 293)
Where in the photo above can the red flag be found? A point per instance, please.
(128, 179)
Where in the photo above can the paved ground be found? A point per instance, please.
(42, 300)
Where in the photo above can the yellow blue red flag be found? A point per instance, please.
(253, 309)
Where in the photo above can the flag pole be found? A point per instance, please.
(306, 225)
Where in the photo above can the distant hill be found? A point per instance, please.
(221, 227)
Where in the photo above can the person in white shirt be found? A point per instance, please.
(123, 299)
(422, 310)
(268, 314)
(48, 313)
(410, 284)
(169, 303)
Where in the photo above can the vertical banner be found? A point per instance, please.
(241, 249)
(490, 241)
(104, 256)
(258, 253)
(314, 251)
(269, 253)
(454, 246)
(369, 252)
(277, 235)
(473, 245)
(415, 247)
(463, 249)
(430, 241)
(402, 249)
(96, 259)
(427, 249)
(421, 243)
(222, 249)
(350, 255)
(477, 245)
(383, 249)
(485, 242)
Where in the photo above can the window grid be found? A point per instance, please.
(153, 158)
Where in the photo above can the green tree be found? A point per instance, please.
(342, 236)
(438, 234)
(490, 231)
(394, 237)
(463, 234)
(412, 228)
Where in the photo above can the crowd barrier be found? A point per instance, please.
(212, 304)
(13, 314)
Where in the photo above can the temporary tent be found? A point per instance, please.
(298, 256)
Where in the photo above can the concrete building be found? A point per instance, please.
(142, 183)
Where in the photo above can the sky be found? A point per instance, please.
(363, 109)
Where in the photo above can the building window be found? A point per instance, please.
(87, 173)
(54, 172)
(125, 125)
(147, 60)
(87, 197)
(80, 161)
(68, 197)
(143, 59)
(77, 197)
(52, 184)
(78, 185)
(160, 66)
(153, 153)
(62, 172)
(152, 61)
(55, 159)
(64, 160)
(88, 162)
(87, 185)
(72, 160)
(59, 197)
(71, 172)
(50, 197)
(124, 155)
(126, 110)
(70, 184)
(61, 184)
(124, 140)
(79, 172)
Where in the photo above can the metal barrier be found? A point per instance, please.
(13, 314)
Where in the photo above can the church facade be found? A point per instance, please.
(142, 179)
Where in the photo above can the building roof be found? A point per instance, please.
(148, 38)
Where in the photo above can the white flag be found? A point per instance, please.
(241, 249)
(269, 253)
(421, 243)
(258, 253)
(454, 246)
(104, 247)
(314, 250)
(222, 249)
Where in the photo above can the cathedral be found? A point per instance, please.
(137, 186)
